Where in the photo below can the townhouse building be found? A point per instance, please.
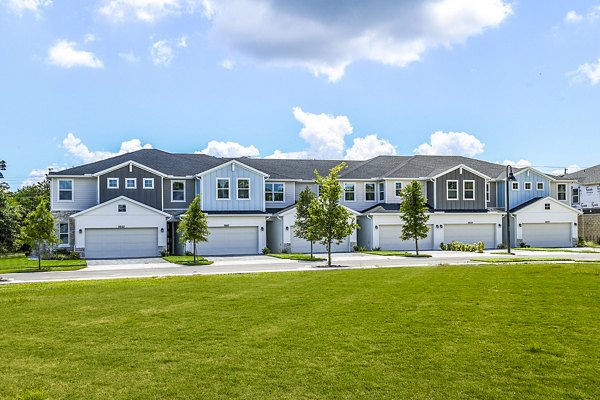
(585, 196)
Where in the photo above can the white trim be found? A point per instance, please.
(208, 171)
(512, 186)
(127, 180)
(144, 183)
(375, 192)
(395, 189)
(353, 191)
(273, 192)
(465, 189)
(124, 208)
(546, 200)
(72, 191)
(116, 199)
(558, 185)
(488, 196)
(129, 163)
(228, 189)
(237, 188)
(108, 180)
(293, 210)
(535, 171)
(538, 188)
(379, 184)
(448, 190)
(68, 234)
(525, 186)
(178, 201)
(463, 167)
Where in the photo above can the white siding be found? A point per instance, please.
(390, 189)
(85, 194)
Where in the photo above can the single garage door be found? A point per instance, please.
(299, 245)
(389, 239)
(471, 233)
(547, 235)
(121, 243)
(225, 241)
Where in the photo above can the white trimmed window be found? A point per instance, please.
(65, 190)
(222, 188)
(369, 192)
(177, 191)
(539, 186)
(63, 234)
(514, 185)
(398, 189)
(112, 183)
(451, 190)
(527, 185)
(381, 191)
(243, 189)
(275, 192)
(148, 183)
(468, 190)
(562, 191)
(122, 208)
(546, 206)
(349, 192)
(575, 195)
(487, 192)
(130, 183)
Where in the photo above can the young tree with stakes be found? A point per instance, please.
(193, 226)
(413, 211)
(39, 228)
(305, 222)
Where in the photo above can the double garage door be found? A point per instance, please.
(230, 241)
(389, 239)
(471, 233)
(121, 243)
(547, 235)
(299, 245)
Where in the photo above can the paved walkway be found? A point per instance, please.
(153, 267)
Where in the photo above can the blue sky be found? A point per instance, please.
(83, 80)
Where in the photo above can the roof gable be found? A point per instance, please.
(120, 199)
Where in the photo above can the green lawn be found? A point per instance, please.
(468, 332)
(394, 253)
(550, 250)
(520, 259)
(187, 260)
(296, 256)
(20, 263)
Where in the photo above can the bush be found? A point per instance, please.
(377, 249)
(480, 247)
(266, 251)
(523, 245)
(501, 246)
(458, 246)
(164, 252)
(443, 247)
(189, 254)
(63, 254)
(359, 248)
(285, 250)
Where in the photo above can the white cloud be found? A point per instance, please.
(89, 37)
(39, 175)
(326, 37)
(573, 17)
(586, 72)
(65, 55)
(34, 6)
(182, 42)
(324, 133)
(152, 10)
(517, 164)
(229, 149)
(451, 143)
(569, 170)
(227, 64)
(77, 149)
(130, 57)
(162, 53)
(289, 155)
(368, 147)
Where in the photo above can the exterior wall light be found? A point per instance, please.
(81, 231)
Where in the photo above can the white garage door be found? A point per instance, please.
(302, 246)
(224, 241)
(547, 235)
(121, 243)
(471, 233)
(389, 239)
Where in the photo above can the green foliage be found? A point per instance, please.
(30, 196)
(295, 256)
(188, 260)
(39, 229)
(10, 217)
(194, 225)
(330, 221)
(20, 263)
(413, 212)
(306, 222)
(266, 250)
(459, 246)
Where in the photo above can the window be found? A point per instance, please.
(349, 192)
(381, 191)
(369, 192)
(112, 183)
(65, 190)
(469, 190)
(63, 234)
(539, 186)
(547, 206)
(177, 190)
(276, 192)
(527, 185)
(148, 183)
(222, 188)
(562, 191)
(487, 192)
(514, 185)
(122, 208)
(243, 189)
(398, 189)
(130, 183)
(452, 190)
(575, 195)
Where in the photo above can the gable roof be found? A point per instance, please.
(120, 198)
(233, 162)
(586, 176)
(548, 199)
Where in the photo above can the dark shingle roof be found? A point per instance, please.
(585, 176)
(293, 169)
(387, 208)
(527, 203)
(429, 166)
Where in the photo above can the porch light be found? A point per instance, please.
(81, 231)
(162, 229)
(376, 227)
(575, 223)
(520, 225)
(441, 226)
(287, 228)
(262, 228)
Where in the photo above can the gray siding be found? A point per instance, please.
(150, 197)
(430, 193)
(492, 202)
(359, 203)
(209, 189)
(190, 192)
(460, 204)
(290, 195)
(85, 194)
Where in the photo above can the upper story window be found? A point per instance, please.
(469, 190)
(222, 188)
(527, 185)
(369, 192)
(63, 233)
(276, 192)
(381, 191)
(562, 191)
(122, 208)
(112, 183)
(539, 186)
(148, 183)
(177, 190)
(243, 189)
(514, 185)
(546, 206)
(398, 189)
(65, 189)
(130, 183)
(452, 190)
(575, 195)
(487, 192)
(349, 192)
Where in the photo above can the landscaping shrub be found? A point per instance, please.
(189, 253)
(266, 251)
(359, 248)
(458, 246)
(62, 254)
(523, 245)
(164, 252)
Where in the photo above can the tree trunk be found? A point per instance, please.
(311, 249)
(329, 253)
(39, 256)
(417, 245)
(194, 252)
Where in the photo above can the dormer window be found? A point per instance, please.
(514, 185)
(112, 183)
(130, 183)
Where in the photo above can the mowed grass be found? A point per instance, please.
(398, 253)
(296, 256)
(187, 260)
(20, 263)
(508, 260)
(478, 332)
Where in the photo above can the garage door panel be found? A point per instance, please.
(230, 241)
(547, 235)
(389, 239)
(471, 233)
(121, 243)
(299, 245)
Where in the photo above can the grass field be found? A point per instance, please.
(20, 263)
(507, 260)
(398, 253)
(187, 260)
(296, 256)
(479, 332)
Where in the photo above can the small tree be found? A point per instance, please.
(305, 222)
(193, 226)
(39, 228)
(332, 221)
(413, 211)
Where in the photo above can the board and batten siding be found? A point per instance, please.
(520, 196)
(85, 194)
(441, 197)
(190, 193)
(209, 189)
(492, 202)
(150, 197)
(290, 194)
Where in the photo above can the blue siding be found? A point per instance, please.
(209, 190)
(521, 196)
